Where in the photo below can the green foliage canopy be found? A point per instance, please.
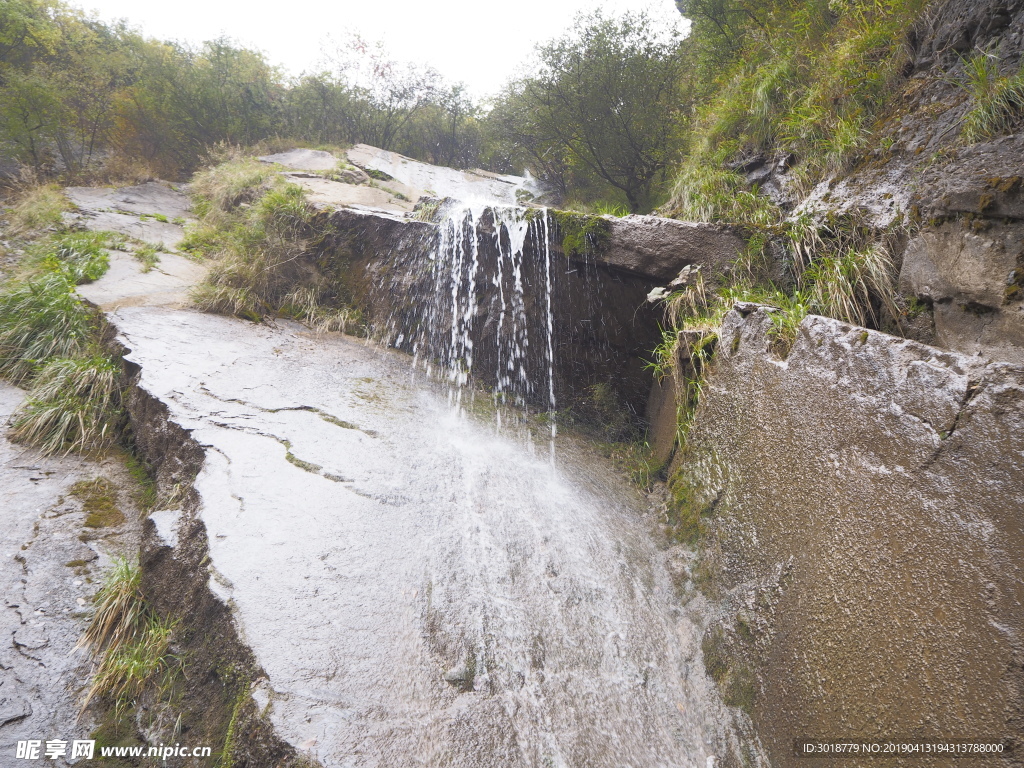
(607, 99)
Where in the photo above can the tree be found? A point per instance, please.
(606, 98)
(380, 94)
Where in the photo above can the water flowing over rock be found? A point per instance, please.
(500, 289)
(391, 578)
(410, 583)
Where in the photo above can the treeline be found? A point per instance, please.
(77, 94)
(616, 112)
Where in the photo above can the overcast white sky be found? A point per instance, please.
(479, 43)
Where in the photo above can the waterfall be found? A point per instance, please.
(485, 313)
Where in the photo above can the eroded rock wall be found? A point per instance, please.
(604, 328)
(861, 510)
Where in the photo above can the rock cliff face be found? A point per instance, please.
(960, 203)
(604, 328)
(863, 517)
(859, 504)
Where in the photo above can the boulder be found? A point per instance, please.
(862, 517)
(973, 278)
(658, 248)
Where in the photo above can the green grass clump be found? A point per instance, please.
(125, 672)
(119, 608)
(845, 267)
(81, 256)
(148, 255)
(808, 80)
(264, 266)
(201, 239)
(998, 99)
(41, 319)
(73, 405)
(791, 309)
(131, 641)
(218, 191)
(49, 343)
(704, 192)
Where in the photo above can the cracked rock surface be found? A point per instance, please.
(50, 567)
(412, 584)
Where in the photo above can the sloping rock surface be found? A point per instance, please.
(125, 284)
(864, 519)
(303, 159)
(416, 588)
(133, 211)
(50, 566)
(437, 181)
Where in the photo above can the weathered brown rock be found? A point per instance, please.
(662, 418)
(863, 511)
(974, 279)
(659, 248)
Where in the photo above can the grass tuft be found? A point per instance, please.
(998, 99)
(37, 208)
(119, 608)
(703, 192)
(220, 190)
(148, 255)
(48, 342)
(131, 641)
(264, 265)
(40, 319)
(73, 405)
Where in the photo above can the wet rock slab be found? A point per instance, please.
(398, 182)
(132, 211)
(437, 181)
(414, 587)
(48, 575)
(125, 284)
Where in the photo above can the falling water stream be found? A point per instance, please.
(544, 590)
